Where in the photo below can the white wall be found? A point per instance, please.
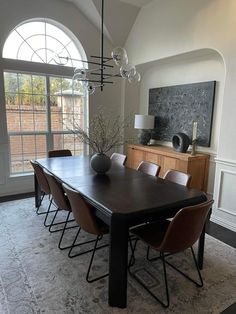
(13, 12)
(167, 29)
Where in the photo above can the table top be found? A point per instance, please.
(123, 191)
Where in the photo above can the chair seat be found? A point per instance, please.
(152, 233)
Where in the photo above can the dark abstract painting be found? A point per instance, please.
(176, 107)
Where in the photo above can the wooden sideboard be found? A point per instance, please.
(167, 158)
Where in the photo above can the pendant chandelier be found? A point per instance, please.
(103, 68)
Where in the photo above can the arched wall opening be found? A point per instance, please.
(191, 67)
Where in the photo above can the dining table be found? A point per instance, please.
(122, 198)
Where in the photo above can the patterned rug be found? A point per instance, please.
(37, 277)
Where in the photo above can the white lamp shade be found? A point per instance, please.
(143, 121)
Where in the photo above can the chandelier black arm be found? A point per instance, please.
(106, 59)
(107, 74)
(96, 81)
(89, 62)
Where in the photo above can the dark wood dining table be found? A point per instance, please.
(122, 198)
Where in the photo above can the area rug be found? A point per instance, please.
(37, 277)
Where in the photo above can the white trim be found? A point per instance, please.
(227, 162)
(222, 171)
(223, 223)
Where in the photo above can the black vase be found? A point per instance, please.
(180, 142)
(100, 163)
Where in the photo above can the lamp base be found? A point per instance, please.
(144, 137)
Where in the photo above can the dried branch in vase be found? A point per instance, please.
(104, 132)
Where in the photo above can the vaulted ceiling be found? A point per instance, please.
(119, 16)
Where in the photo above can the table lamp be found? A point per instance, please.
(144, 123)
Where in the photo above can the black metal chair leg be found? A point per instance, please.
(185, 275)
(73, 244)
(132, 257)
(198, 270)
(62, 234)
(40, 203)
(52, 222)
(91, 262)
(59, 223)
(165, 305)
(80, 244)
(47, 212)
(166, 283)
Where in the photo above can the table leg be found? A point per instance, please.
(117, 295)
(37, 191)
(201, 243)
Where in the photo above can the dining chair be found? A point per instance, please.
(88, 222)
(44, 187)
(62, 203)
(59, 153)
(178, 177)
(119, 158)
(149, 168)
(170, 237)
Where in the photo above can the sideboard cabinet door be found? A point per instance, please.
(167, 158)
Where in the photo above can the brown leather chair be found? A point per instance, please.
(83, 213)
(119, 158)
(62, 203)
(59, 153)
(178, 177)
(170, 237)
(44, 187)
(149, 168)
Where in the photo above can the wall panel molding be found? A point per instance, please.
(224, 209)
(223, 174)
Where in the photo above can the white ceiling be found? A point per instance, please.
(119, 16)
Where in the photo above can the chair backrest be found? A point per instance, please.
(119, 158)
(149, 168)
(59, 153)
(57, 191)
(185, 228)
(178, 177)
(82, 211)
(42, 180)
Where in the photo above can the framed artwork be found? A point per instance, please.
(176, 108)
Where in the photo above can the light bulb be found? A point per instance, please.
(119, 55)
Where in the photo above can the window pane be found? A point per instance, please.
(39, 86)
(24, 148)
(26, 109)
(68, 141)
(10, 82)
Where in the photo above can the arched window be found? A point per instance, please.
(42, 107)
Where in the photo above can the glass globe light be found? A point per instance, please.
(127, 70)
(119, 55)
(134, 78)
(80, 74)
(91, 88)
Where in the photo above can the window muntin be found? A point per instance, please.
(41, 41)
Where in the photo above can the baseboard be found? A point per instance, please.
(16, 197)
(223, 223)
